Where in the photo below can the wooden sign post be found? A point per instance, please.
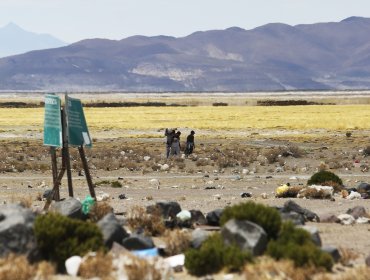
(64, 127)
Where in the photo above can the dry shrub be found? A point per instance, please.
(290, 192)
(16, 267)
(347, 255)
(99, 210)
(25, 201)
(96, 265)
(152, 224)
(314, 194)
(141, 269)
(358, 273)
(336, 186)
(272, 155)
(177, 241)
(269, 269)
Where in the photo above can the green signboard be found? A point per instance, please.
(52, 122)
(78, 134)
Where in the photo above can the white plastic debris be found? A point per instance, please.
(346, 219)
(147, 158)
(184, 215)
(102, 196)
(165, 167)
(174, 261)
(354, 195)
(72, 265)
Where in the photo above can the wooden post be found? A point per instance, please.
(54, 169)
(87, 171)
(66, 152)
(55, 188)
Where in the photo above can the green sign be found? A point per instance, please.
(78, 134)
(52, 122)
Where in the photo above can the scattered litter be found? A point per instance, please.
(354, 195)
(72, 265)
(146, 253)
(87, 203)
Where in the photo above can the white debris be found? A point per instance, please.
(147, 158)
(354, 195)
(102, 196)
(175, 261)
(165, 167)
(184, 215)
(245, 171)
(346, 219)
(72, 265)
(363, 220)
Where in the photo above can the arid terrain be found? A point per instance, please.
(224, 164)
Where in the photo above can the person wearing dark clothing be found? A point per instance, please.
(169, 133)
(175, 149)
(190, 145)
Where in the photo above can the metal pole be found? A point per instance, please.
(54, 169)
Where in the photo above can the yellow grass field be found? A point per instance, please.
(207, 118)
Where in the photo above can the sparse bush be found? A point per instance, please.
(213, 256)
(219, 104)
(296, 244)
(324, 177)
(152, 224)
(273, 155)
(116, 184)
(99, 210)
(59, 237)
(139, 269)
(266, 217)
(177, 241)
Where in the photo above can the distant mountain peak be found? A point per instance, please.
(354, 18)
(12, 26)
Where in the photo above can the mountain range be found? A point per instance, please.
(273, 57)
(15, 40)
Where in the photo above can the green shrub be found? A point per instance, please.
(213, 256)
(59, 237)
(296, 244)
(266, 217)
(116, 184)
(322, 177)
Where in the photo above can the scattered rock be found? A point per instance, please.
(332, 251)
(291, 206)
(346, 219)
(357, 212)
(155, 183)
(137, 242)
(216, 196)
(122, 196)
(246, 235)
(102, 196)
(16, 230)
(295, 218)
(165, 167)
(147, 158)
(362, 220)
(264, 195)
(46, 194)
(329, 218)
(81, 173)
(213, 217)
(363, 187)
(112, 230)
(245, 171)
(245, 195)
(70, 207)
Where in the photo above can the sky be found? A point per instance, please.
(74, 20)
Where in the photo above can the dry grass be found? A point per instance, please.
(177, 241)
(314, 194)
(347, 255)
(17, 267)
(25, 201)
(96, 265)
(152, 224)
(291, 192)
(356, 273)
(99, 210)
(269, 269)
(141, 269)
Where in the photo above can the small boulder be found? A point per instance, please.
(198, 218)
(111, 229)
(169, 209)
(291, 206)
(213, 217)
(70, 207)
(363, 187)
(246, 235)
(333, 252)
(329, 218)
(198, 236)
(16, 230)
(137, 242)
(295, 218)
(357, 212)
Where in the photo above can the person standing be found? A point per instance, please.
(190, 144)
(175, 149)
(169, 133)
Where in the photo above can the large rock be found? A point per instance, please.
(169, 209)
(197, 217)
(363, 188)
(245, 234)
(198, 236)
(70, 207)
(112, 230)
(138, 242)
(213, 217)
(16, 230)
(291, 206)
(357, 212)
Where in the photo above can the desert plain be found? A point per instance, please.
(240, 148)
